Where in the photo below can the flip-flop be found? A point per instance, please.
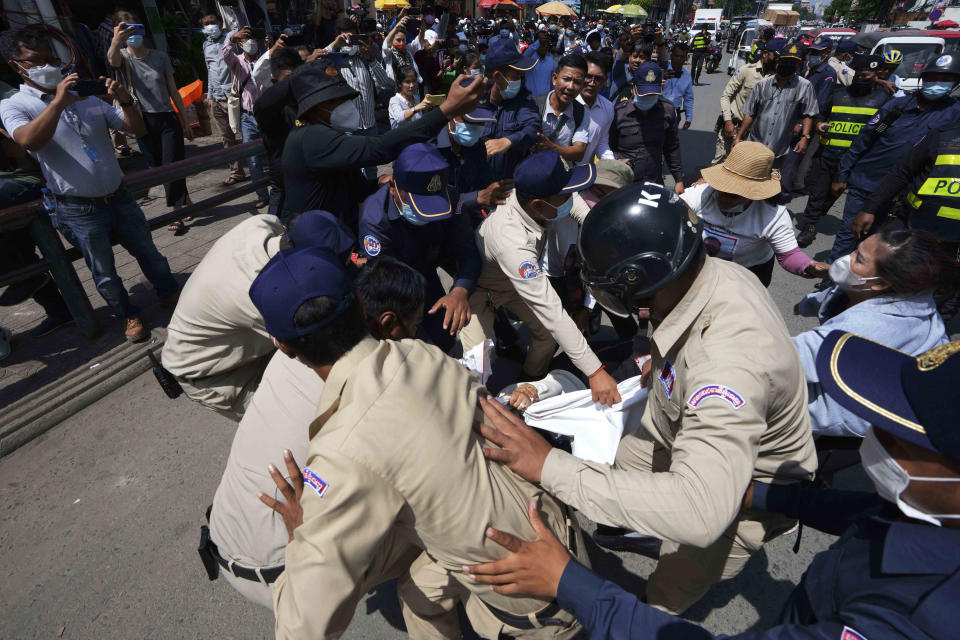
(232, 180)
(188, 218)
(176, 227)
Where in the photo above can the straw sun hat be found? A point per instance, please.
(747, 171)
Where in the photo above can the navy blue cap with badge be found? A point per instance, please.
(846, 46)
(903, 395)
(647, 78)
(865, 62)
(775, 46)
(503, 53)
(820, 43)
(292, 277)
(422, 172)
(546, 174)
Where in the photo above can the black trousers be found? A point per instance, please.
(764, 271)
(17, 250)
(164, 144)
(822, 173)
(696, 63)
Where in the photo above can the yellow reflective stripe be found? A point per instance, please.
(949, 212)
(944, 187)
(836, 142)
(866, 111)
(914, 201)
(948, 159)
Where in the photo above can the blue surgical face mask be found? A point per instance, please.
(645, 103)
(504, 33)
(513, 88)
(467, 135)
(563, 210)
(135, 41)
(934, 90)
(406, 212)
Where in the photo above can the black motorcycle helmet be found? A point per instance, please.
(946, 63)
(633, 243)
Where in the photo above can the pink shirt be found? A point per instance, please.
(242, 70)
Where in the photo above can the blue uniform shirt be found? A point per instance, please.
(469, 173)
(519, 120)
(448, 243)
(873, 156)
(823, 79)
(881, 579)
(679, 91)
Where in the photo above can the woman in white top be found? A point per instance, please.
(406, 104)
(397, 52)
(740, 225)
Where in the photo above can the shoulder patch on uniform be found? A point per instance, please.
(528, 270)
(667, 377)
(716, 391)
(311, 479)
(875, 119)
(850, 634)
(371, 245)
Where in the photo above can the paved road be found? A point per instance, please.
(101, 515)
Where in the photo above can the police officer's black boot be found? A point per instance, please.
(808, 233)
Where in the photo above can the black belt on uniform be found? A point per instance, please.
(544, 617)
(107, 199)
(209, 553)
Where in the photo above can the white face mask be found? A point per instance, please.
(350, 50)
(211, 31)
(250, 46)
(846, 279)
(891, 480)
(47, 76)
(345, 117)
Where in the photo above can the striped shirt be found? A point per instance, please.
(366, 78)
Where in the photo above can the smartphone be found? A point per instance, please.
(436, 99)
(259, 33)
(88, 87)
(138, 29)
(359, 37)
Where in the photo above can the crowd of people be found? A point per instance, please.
(527, 165)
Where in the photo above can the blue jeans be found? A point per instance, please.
(90, 226)
(250, 130)
(845, 242)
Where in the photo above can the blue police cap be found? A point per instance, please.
(905, 396)
(320, 229)
(503, 53)
(483, 114)
(422, 172)
(647, 78)
(846, 46)
(775, 45)
(292, 277)
(820, 43)
(546, 174)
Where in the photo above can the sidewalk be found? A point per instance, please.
(36, 362)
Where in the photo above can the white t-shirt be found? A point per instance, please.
(748, 239)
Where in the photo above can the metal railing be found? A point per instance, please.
(58, 260)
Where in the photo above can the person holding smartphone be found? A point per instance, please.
(148, 75)
(406, 105)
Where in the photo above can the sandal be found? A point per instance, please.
(188, 218)
(177, 227)
(232, 180)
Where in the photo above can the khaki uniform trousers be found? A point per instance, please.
(227, 135)
(723, 146)
(684, 573)
(230, 392)
(429, 596)
(483, 303)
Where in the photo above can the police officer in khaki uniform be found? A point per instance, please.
(512, 241)
(216, 344)
(735, 94)
(727, 404)
(393, 427)
(246, 539)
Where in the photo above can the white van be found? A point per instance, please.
(742, 50)
(918, 48)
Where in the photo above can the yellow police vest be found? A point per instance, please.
(937, 200)
(700, 43)
(845, 123)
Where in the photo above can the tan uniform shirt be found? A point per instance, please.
(727, 398)
(216, 328)
(512, 244)
(738, 90)
(844, 73)
(393, 452)
(278, 418)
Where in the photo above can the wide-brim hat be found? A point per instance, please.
(748, 171)
(895, 392)
(314, 84)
